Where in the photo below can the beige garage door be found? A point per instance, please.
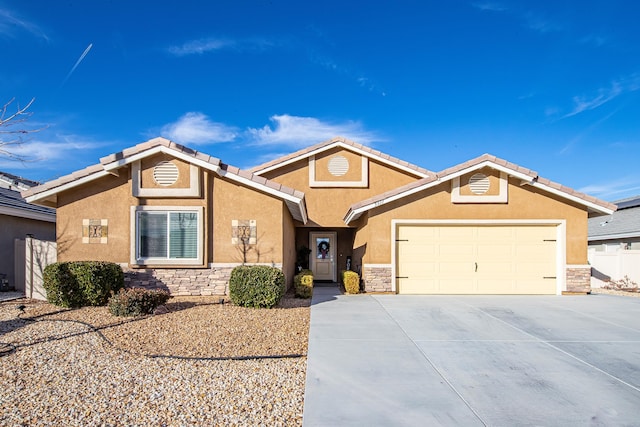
(478, 259)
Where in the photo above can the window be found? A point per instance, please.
(167, 235)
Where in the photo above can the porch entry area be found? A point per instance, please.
(322, 260)
(325, 251)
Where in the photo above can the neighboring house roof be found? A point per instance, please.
(528, 176)
(46, 193)
(14, 182)
(12, 203)
(624, 223)
(346, 144)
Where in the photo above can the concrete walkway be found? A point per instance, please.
(463, 361)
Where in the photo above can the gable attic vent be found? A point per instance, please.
(479, 183)
(338, 165)
(165, 174)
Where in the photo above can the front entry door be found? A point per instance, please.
(323, 255)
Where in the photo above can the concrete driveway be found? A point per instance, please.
(392, 360)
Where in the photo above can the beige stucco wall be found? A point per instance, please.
(107, 198)
(289, 245)
(232, 201)
(111, 198)
(327, 207)
(525, 202)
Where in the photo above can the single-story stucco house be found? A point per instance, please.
(181, 219)
(19, 219)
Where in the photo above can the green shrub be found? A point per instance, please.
(256, 286)
(137, 301)
(303, 283)
(351, 282)
(82, 283)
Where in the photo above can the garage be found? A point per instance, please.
(476, 258)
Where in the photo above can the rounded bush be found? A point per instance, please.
(303, 283)
(137, 301)
(82, 283)
(256, 286)
(351, 282)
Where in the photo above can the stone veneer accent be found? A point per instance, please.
(376, 277)
(181, 281)
(579, 278)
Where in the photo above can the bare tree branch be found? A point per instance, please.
(11, 133)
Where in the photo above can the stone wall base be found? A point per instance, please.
(206, 281)
(376, 278)
(578, 279)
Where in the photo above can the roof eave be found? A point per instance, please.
(594, 208)
(28, 214)
(614, 236)
(39, 198)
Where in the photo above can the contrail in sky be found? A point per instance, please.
(86, 51)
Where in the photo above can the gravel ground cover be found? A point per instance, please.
(198, 363)
(615, 292)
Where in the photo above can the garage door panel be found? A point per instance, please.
(456, 233)
(418, 255)
(457, 286)
(446, 249)
(497, 286)
(495, 233)
(412, 286)
(419, 269)
(535, 287)
(510, 259)
(492, 251)
(495, 268)
(539, 251)
(455, 268)
(532, 269)
(417, 234)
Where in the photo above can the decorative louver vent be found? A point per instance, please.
(165, 174)
(338, 165)
(479, 183)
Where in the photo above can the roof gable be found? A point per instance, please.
(341, 142)
(46, 193)
(528, 177)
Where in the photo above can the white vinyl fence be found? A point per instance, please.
(614, 266)
(32, 256)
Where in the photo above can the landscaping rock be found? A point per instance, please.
(87, 367)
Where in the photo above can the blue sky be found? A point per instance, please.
(552, 86)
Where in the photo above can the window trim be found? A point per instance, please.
(198, 261)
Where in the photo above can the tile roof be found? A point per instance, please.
(113, 161)
(453, 171)
(306, 152)
(623, 223)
